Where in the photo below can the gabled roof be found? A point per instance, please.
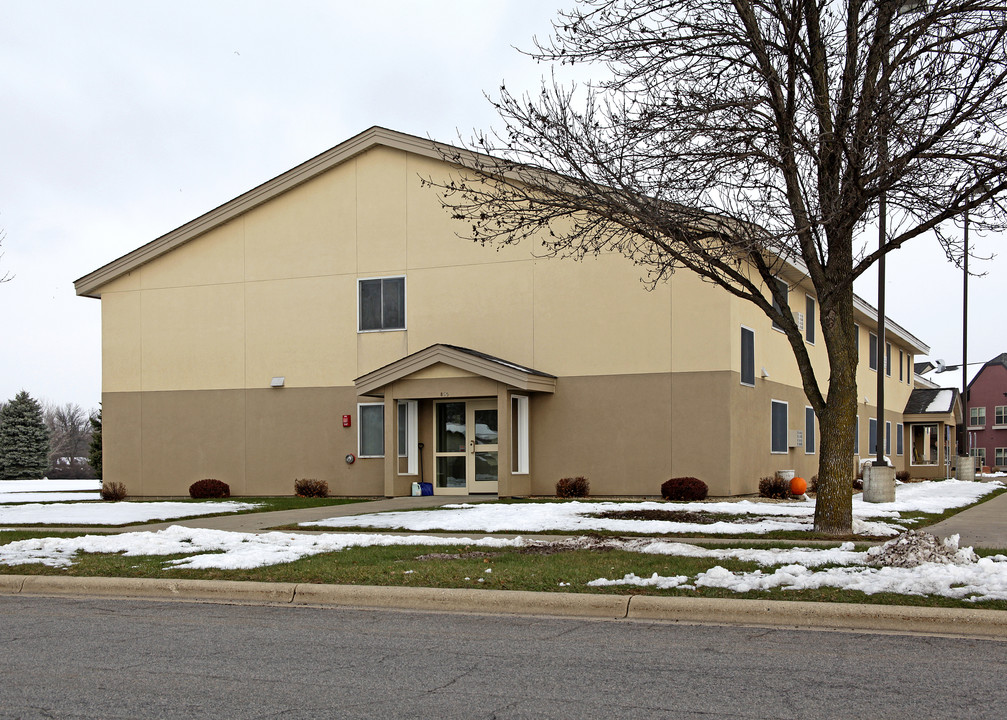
(931, 401)
(472, 361)
(375, 136)
(1000, 359)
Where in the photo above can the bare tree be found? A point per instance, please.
(729, 137)
(69, 437)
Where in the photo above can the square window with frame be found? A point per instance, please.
(370, 430)
(980, 454)
(977, 417)
(381, 304)
(1000, 455)
(1000, 415)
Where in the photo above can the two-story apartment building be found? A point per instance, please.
(330, 324)
(986, 404)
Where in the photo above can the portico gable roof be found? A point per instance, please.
(473, 361)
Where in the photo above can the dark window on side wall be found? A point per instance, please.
(872, 361)
(785, 289)
(809, 320)
(747, 356)
(779, 441)
(809, 430)
(383, 304)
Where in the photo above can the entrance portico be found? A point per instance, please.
(456, 418)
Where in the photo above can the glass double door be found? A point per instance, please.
(466, 447)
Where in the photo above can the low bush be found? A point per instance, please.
(574, 487)
(113, 491)
(813, 484)
(902, 476)
(309, 487)
(684, 488)
(773, 486)
(209, 488)
(858, 483)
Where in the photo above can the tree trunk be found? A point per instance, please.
(833, 506)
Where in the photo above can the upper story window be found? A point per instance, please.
(747, 356)
(900, 365)
(977, 417)
(785, 289)
(809, 319)
(382, 304)
(1000, 417)
(888, 359)
(872, 359)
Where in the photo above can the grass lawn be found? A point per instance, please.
(457, 566)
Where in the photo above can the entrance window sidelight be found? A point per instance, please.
(382, 304)
(519, 435)
(408, 435)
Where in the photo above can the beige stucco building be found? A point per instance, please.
(330, 324)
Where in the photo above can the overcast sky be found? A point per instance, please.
(123, 120)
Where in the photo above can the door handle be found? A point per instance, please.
(473, 444)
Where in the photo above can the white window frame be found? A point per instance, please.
(786, 427)
(1000, 455)
(1000, 416)
(872, 359)
(901, 364)
(412, 449)
(877, 440)
(360, 429)
(522, 465)
(809, 431)
(745, 328)
(856, 437)
(888, 437)
(405, 304)
(979, 452)
(980, 416)
(899, 439)
(888, 359)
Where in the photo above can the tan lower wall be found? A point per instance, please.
(626, 433)
(258, 441)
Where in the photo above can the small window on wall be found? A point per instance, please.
(898, 438)
(872, 436)
(747, 356)
(519, 435)
(888, 359)
(900, 365)
(371, 430)
(872, 360)
(977, 417)
(785, 289)
(1001, 458)
(382, 304)
(1000, 416)
(809, 320)
(888, 438)
(856, 437)
(809, 430)
(856, 340)
(909, 368)
(779, 427)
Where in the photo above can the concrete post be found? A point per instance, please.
(879, 483)
(966, 468)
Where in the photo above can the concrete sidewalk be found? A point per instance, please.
(983, 526)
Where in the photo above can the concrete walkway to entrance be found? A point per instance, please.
(983, 526)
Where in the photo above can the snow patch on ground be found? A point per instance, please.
(120, 513)
(875, 519)
(16, 486)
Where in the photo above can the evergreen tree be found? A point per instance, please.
(94, 454)
(24, 439)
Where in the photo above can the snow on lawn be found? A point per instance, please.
(120, 513)
(759, 517)
(225, 550)
(16, 486)
(959, 574)
(47, 497)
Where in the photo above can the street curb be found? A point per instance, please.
(839, 616)
(781, 614)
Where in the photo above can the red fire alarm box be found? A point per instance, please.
(346, 420)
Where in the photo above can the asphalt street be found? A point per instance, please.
(114, 658)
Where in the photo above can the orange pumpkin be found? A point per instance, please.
(798, 486)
